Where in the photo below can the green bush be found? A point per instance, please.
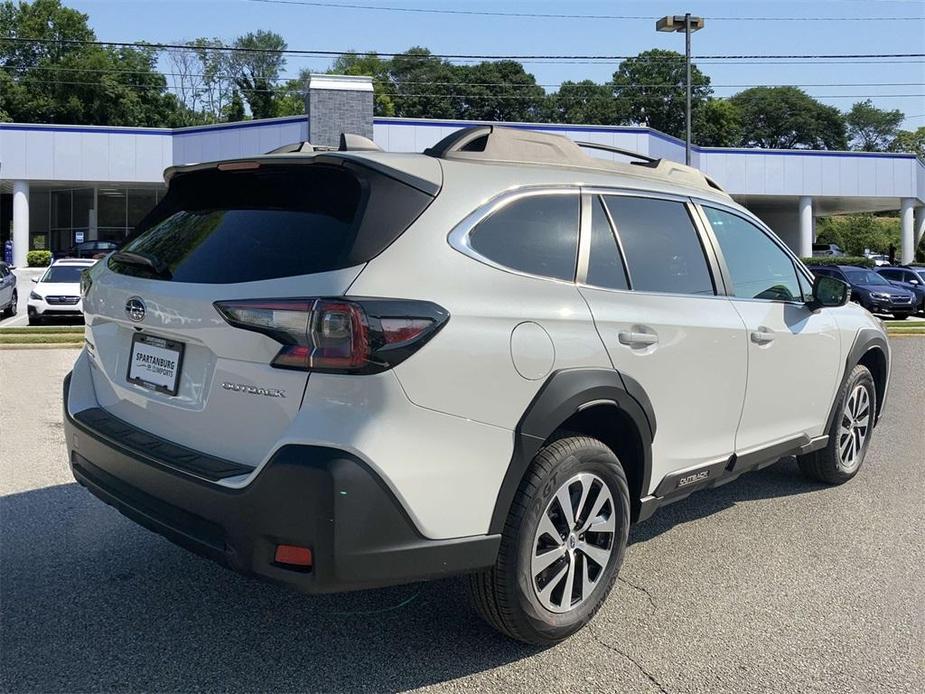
(38, 258)
(860, 261)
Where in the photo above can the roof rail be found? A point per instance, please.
(492, 143)
(349, 142)
(303, 147)
(644, 159)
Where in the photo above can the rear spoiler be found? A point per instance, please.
(430, 186)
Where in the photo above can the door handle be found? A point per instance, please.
(762, 336)
(632, 339)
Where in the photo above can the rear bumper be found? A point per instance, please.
(309, 496)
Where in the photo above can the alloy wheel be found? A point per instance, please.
(573, 543)
(854, 428)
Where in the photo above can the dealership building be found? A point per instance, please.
(62, 184)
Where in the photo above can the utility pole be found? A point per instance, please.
(688, 24)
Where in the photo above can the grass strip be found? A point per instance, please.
(51, 330)
(41, 339)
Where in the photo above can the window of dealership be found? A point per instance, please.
(61, 217)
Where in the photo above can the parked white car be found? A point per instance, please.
(57, 291)
(340, 370)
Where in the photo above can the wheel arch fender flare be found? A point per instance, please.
(565, 393)
(867, 341)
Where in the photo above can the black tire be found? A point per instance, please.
(35, 320)
(826, 465)
(504, 595)
(900, 316)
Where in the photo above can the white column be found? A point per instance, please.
(20, 222)
(806, 226)
(905, 228)
(919, 226)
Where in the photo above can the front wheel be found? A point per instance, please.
(900, 316)
(849, 438)
(562, 545)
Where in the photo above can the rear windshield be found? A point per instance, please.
(219, 227)
(64, 274)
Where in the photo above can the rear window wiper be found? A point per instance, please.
(156, 265)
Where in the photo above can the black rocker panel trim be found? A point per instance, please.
(866, 340)
(562, 395)
(681, 484)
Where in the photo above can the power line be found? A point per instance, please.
(168, 87)
(654, 85)
(552, 15)
(452, 56)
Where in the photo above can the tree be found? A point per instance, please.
(651, 86)
(371, 65)
(234, 111)
(717, 123)
(788, 118)
(585, 102)
(61, 78)
(217, 82)
(910, 141)
(872, 129)
(498, 91)
(425, 86)
(256, 65)
(857, 233)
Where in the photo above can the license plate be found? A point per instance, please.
(155, 362)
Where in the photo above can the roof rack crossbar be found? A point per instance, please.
(644, 159)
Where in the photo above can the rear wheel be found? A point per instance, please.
(562, 545)
(849, 438)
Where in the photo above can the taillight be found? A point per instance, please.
(338, 335)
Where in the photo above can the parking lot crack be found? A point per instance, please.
(649, 596)
(628, 657)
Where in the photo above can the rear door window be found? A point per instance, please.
(536, 234)
(662, 247)
(219, 227)
(605, 264)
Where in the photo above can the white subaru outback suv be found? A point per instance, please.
(347, 369)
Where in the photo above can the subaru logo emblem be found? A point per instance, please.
(135, 309)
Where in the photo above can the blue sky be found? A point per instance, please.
(329, 28)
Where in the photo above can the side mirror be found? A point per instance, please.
(35, 280)
(829, 291)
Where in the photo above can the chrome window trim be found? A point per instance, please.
(798, 266)
(458, 238)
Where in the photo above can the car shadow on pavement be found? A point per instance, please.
(91, 602)
(781, 479)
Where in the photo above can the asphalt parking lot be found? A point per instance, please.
(771, 583)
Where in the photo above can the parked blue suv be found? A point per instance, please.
(911, 279)
(873, 292)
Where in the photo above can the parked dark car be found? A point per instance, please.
(909, 278)
(827, 249)
(872, 291)
(91, 249)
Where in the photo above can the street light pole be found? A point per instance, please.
(687, 62)
(688, 24)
